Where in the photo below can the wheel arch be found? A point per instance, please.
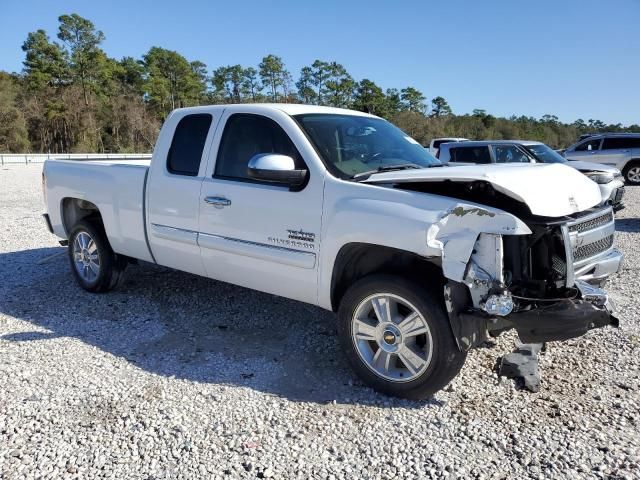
(358, 260)
(74, 210)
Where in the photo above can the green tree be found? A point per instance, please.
(440, 107)
(393, 101)
(45, 63)
(319, 75)
(305, 84)
(370, 98)
(338, 86)
(273, 74)
(413, 100)
(83, 43)
(251, 86)
(170, 81)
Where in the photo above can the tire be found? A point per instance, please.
(631, 172)
(369, 343)
(93, 263)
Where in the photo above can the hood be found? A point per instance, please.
(549, 190)
(592, 167)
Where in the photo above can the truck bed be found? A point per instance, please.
(116, 187)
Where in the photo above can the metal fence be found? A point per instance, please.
(27, 158)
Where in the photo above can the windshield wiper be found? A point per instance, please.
(387, 168)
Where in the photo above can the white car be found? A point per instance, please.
(608, 178)
(343, 210)
(434, 145)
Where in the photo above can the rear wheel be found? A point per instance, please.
(397, 337)
(95, 266)
(632, 173)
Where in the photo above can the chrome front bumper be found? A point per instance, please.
(601, 268)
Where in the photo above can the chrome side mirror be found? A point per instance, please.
(276, 168)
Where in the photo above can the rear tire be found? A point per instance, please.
(397, 337)
(631, 172)
(95, 266)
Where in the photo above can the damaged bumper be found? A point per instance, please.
(554, 321)
(566, 319)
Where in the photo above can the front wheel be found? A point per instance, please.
(397, 337)
(95, 266)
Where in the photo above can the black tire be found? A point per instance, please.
(446, 359)
(111, 265)
(627, 169)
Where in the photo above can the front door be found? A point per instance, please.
(587, 151)
(255, 234)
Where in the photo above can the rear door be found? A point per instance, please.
(173, 190)
(616, 151)
(255, 234)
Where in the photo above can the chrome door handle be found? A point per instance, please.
(218, 201)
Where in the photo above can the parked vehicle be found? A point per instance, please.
(342, 210)
(621, 150)
(434, 146)
(608, 178)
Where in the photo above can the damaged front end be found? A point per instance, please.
(541, 280)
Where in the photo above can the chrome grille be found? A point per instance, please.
(592, 249)
(587, 240)
(592, 223)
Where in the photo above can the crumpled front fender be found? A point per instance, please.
(455, 233)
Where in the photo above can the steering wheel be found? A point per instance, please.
(372, 157)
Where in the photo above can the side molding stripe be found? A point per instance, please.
(286, 256)
(175, 234)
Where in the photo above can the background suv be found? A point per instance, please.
(621, 150)
(607, 177)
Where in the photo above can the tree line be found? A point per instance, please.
(72, 97)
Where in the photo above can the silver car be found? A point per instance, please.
(620, 150)
(608, 178)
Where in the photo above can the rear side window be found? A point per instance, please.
(613, 143)
(470, 154)
(589, 145)
(246, 135)
(187, 145)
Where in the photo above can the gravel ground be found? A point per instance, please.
(175, 376)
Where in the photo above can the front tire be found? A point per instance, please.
(397, 337)
(95, 266)
(632, 172)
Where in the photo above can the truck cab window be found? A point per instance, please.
(246, 135)
(187, 145)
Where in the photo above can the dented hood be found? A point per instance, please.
(549, 190)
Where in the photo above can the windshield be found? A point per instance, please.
(545, 154)
(350, 145)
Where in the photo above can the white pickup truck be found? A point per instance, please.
(343, 210)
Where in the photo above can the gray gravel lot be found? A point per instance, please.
(176, 376)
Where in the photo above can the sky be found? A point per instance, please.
(571, 58)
